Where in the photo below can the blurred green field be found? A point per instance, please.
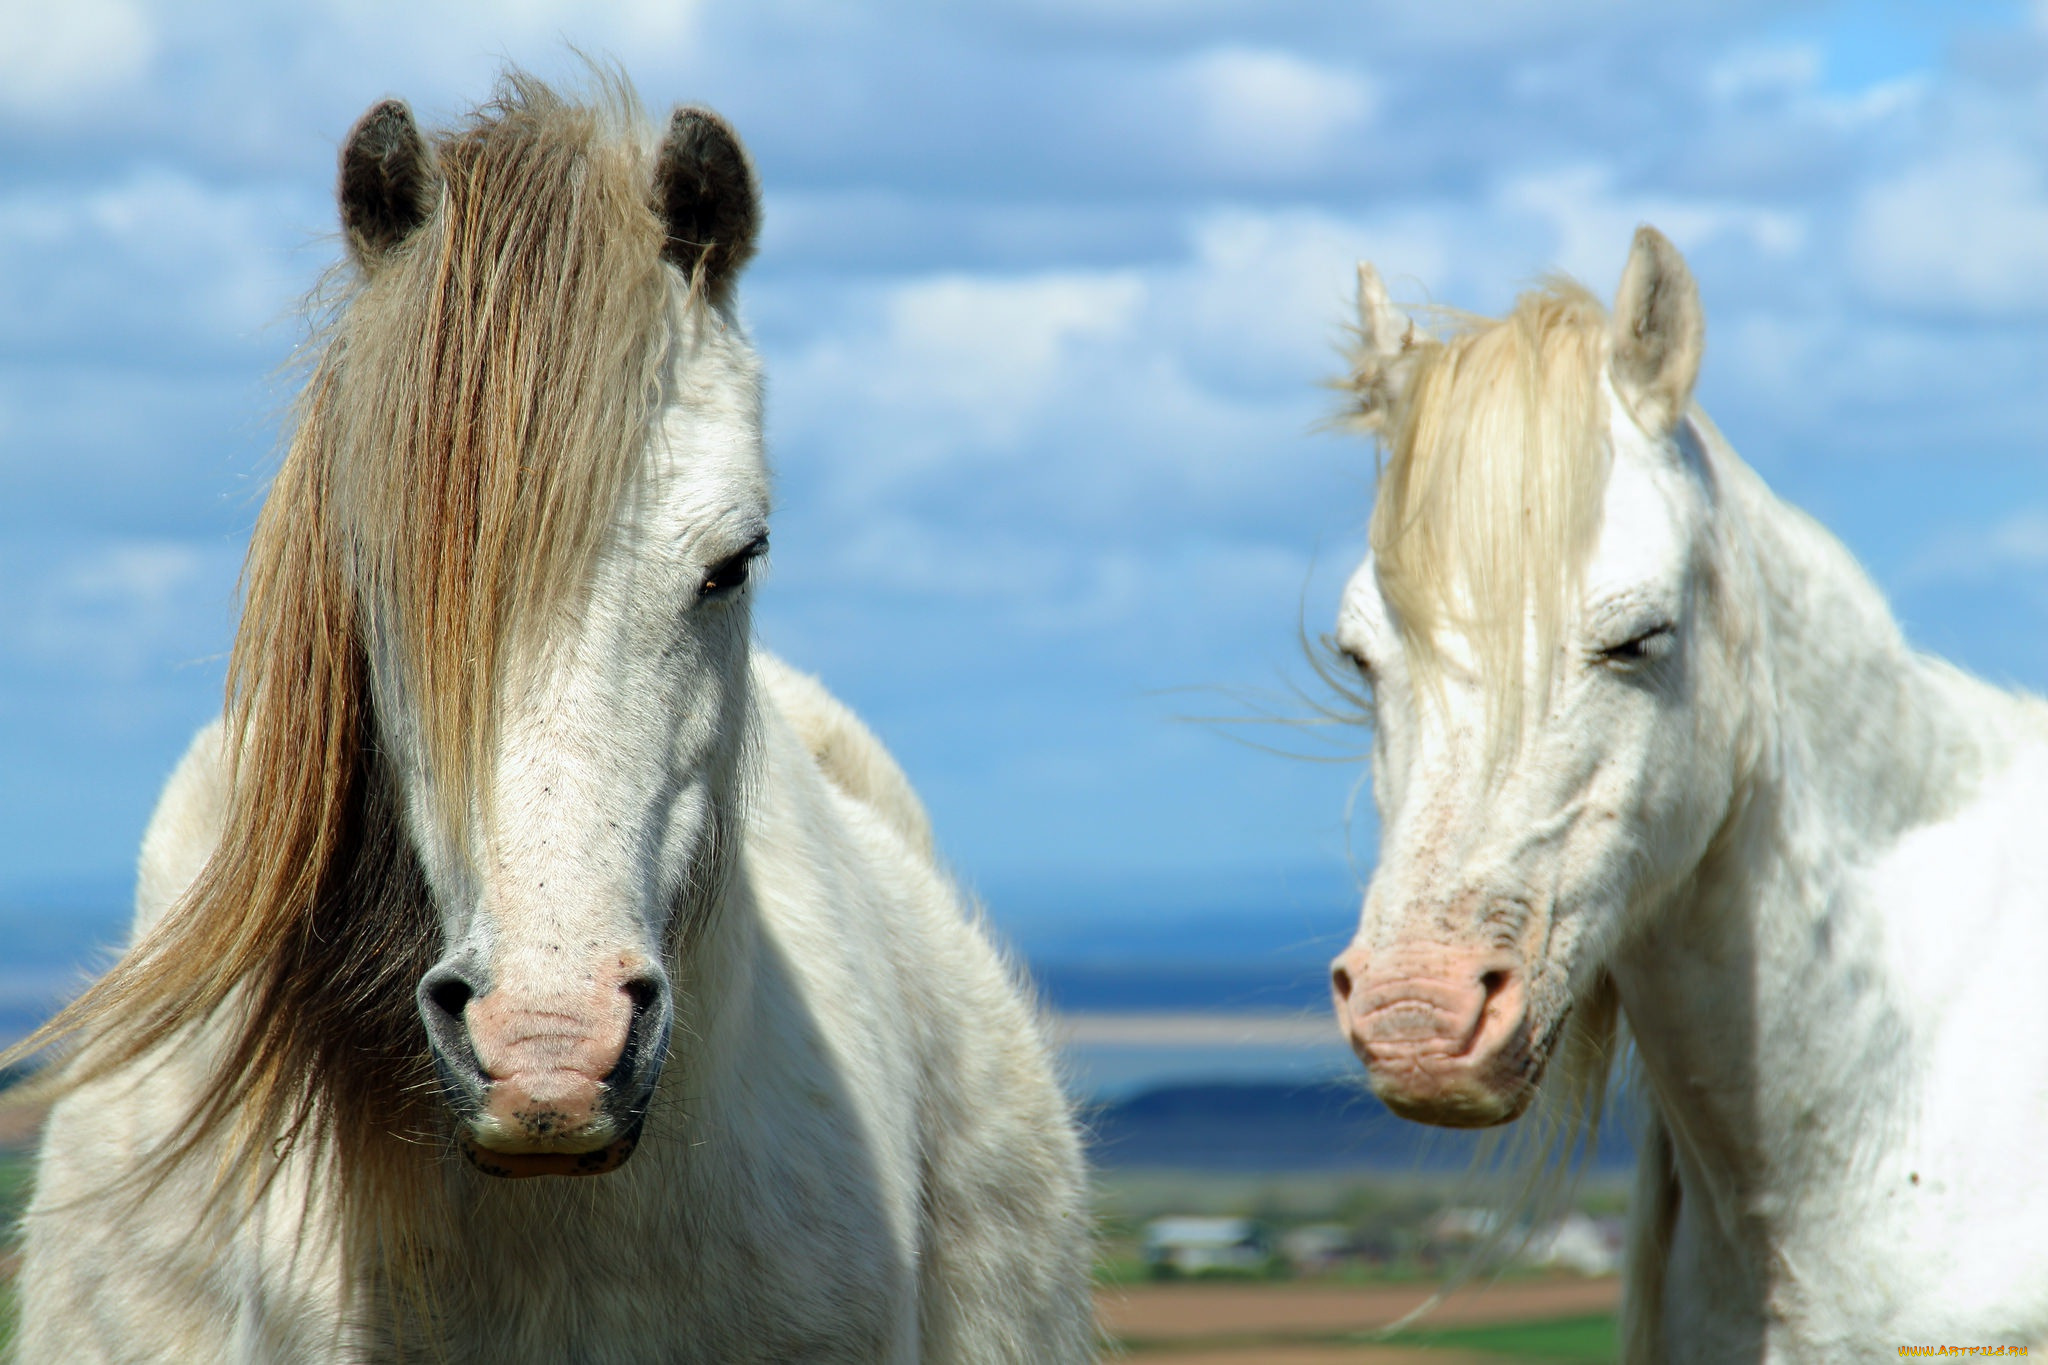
(1561, 1341)
(1387, 1212)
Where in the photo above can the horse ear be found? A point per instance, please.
(1659, 333)
(388, 184)
(1379, 362)
(705, 191)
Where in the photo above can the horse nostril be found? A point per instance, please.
(1340, 982)
(644, 992)
(646, 1033)
(1494, 982)
(445, 993)
(450, 995)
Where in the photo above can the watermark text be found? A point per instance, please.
(1962, 1350)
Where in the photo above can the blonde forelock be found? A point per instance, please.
(1490, 496)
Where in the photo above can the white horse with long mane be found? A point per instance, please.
(512, 858)
(1646, 740)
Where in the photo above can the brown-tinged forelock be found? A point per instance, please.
(469, 428)
(493, 391)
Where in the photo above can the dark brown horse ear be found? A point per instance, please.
(389, 184)
(705, 191)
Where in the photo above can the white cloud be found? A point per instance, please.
(1270, 112)
(959, 364)
(57, 55)
(1764, 71)
(1187, 384)
(113, 609)
(1041, 581)
(1593, 224)
(159, 246)
(1267, 289)
(651, 23)
(1038, 582)
(1884, 100)
(2017, 544)
(1491, 25)
(627, 27)
(1784, 82)
(1966, 232)
(995, 343)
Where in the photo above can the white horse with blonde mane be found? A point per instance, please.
(1646, 740)
(512, 858)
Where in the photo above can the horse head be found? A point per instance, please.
(1538, 626)
(549, 482)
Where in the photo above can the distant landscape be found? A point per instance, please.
(1249, 1127)
(1255, 941)
(1295, 1105)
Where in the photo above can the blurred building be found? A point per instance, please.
(1591, 1246)
(1318, 1247)
(1194, 1246)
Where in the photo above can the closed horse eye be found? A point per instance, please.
(1645, 647)
(730, 573)
(1350, 654)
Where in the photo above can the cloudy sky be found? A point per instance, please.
(1046, 294)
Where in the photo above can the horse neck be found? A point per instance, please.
(1757, 994)
(1872, 737)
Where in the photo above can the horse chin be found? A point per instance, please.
(1466, 1106)
(525, 1165)
(1472, 1092)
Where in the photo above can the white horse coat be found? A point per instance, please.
(1677, 757)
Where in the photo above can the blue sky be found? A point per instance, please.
(1046, 294)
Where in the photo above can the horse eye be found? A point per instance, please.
(1646, 647)
(730, 573)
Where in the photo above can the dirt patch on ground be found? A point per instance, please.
(1305, 1355)
(1190, 1312)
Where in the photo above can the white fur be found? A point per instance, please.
(1814, 865)
(849, 752)
(856, 1151)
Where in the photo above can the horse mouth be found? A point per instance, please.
(1470, 1091)
(526, 1165)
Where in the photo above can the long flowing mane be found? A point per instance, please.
(468, 432)
(1490, 494)
(1489, 503)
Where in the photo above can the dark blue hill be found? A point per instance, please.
(1183, 987)
(1253, 1127)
